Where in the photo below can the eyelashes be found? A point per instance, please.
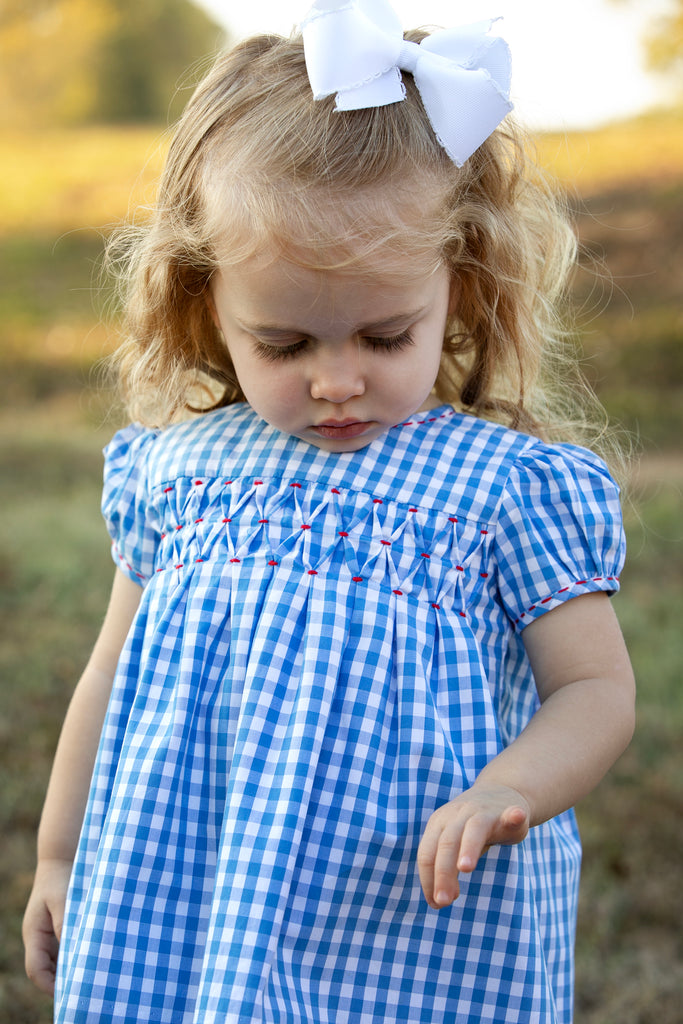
(277, 353)
(392, 344)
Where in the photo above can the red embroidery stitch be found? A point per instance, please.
(227, 520)
(399, 592)
(377, 501)
(296, 485)
(312, 572)
(179, 566)
(387, 543)
(425, 555)
(263, 520)
(335, 491)
(563, 590)
(257, 482)
(234, 559)
(343, 533)
(273, 563)
(167, 489)
(462, 615)
(199, 559)
(413, 510)
(357, 579)
(484, 575)
(198, 483)
(305, 526)
(452, 519)
(199, 520)
(226, 482)
(460, 568)
(179, 527)
(483, 531)
(436, 606)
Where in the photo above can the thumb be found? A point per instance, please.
(513, 824)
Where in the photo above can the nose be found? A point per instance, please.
(336, 375)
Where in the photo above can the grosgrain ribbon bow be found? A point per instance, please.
(355, 48)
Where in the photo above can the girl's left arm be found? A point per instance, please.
(586, 719)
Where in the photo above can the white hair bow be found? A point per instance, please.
(355, 48)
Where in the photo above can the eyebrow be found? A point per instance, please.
(386, 324)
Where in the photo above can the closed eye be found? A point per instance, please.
(274, 353)
(390, 344)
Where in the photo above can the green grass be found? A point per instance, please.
(54, 576)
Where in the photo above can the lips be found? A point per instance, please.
(340, 429)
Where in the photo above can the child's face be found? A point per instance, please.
(333, 358)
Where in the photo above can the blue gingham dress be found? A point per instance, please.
(327, 649)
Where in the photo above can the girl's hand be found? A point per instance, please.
(43, 922)
(459, 832)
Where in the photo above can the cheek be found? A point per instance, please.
(268, 387)
(427, 358)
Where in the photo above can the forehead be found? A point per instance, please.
(276, 295)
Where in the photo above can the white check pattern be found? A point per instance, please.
(328, 648)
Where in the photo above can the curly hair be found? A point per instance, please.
(257, 165)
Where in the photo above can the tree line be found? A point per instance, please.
(76, 62)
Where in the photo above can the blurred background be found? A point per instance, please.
(88, 90)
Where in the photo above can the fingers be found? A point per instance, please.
(41, 966)
(42, 947)
(43, 920)
(447, 848)
(439, 881)
(457, 835)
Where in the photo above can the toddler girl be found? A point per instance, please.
(359, 660)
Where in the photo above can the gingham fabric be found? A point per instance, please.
(328, 648)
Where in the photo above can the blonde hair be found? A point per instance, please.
(256, 162)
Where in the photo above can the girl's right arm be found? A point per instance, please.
(67, 792)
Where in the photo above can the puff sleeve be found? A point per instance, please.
(559, 531)
(125, 502)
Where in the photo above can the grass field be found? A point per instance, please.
(54, 561)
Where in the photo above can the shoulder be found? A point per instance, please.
(503, 461)
(554, 475)
(205, 431)
(197, 444)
